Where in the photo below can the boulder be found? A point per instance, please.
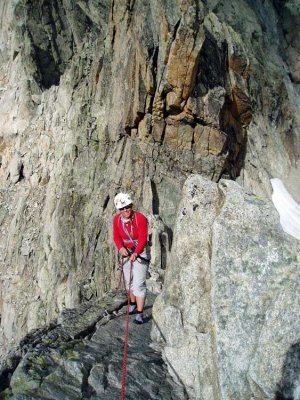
(228, 317)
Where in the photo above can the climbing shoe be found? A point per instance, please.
(139, 319)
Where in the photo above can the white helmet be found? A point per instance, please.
(122, 200)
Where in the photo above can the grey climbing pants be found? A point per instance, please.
(139, 274)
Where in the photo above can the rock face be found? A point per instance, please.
(228, 315)
(81, 357)
(98, 96)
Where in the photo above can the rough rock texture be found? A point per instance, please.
(101, 95)
(228, 317)
(80, 358)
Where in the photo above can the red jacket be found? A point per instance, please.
(137, 228)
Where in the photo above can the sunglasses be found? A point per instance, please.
(126, 207)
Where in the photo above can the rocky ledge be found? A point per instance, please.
(80, 356)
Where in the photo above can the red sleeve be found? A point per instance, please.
(142, 233)
(116, 232)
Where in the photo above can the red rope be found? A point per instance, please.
(126, 339)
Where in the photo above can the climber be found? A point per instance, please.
(130, 234)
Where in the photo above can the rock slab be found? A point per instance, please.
(81, 357)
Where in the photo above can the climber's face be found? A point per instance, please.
(126, 211)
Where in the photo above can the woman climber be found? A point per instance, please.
(130, 234)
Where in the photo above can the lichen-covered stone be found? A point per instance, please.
(91, 365)
(227, 317)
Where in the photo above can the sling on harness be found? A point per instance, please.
(131, 251)
(134, 242)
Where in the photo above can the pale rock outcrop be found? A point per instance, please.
(228, 316)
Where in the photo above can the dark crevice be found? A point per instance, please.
(236, 143)
(130, 5)
(91, 329)
(113, 36)
(99, 68)
(163, 135)
(127, 130)
(6, 373)
(163, 240)
(176, 26)
(138, 118)
(193, 145)
(105, 379)
(200, 121)
(292, 78)
(105, 202)
(86, 389)
(287, 387)
(170, 236)
(112, 9)
(150, 240)
(129, 9)
(209, 77)
(154, 65)
(154, 61)
(155, 199)
(21, 173)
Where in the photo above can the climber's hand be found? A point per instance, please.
(133, 257)
(123, 252)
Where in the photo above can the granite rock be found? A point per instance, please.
(101, 96)
(227, 318)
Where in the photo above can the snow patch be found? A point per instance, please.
(287, 207)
